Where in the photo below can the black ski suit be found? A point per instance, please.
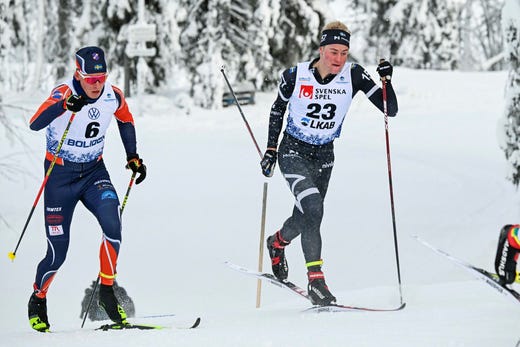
(306, 161)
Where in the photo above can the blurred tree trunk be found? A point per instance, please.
(63, 58)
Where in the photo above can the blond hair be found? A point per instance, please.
(336, 25)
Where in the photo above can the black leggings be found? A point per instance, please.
(307, 169)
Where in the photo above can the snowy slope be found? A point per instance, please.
(201, 204)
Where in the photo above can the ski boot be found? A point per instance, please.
(507, 254)
(37, 310)
(276, 247)
(108, 301)
(317, 289)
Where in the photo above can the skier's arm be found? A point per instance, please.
(51, 108)
(276, 122)
(361, 80)
(285, 90)
(125, 123)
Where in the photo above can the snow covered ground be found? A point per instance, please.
(201, 204)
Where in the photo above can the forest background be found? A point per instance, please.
(254, 40)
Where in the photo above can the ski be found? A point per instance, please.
(346, 308)
(118, 326)
(271, 279)
(156, 316)
(303, 293)
(490, 278)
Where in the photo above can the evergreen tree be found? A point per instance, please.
(254, 39)
(236, 33)
(354, 14)
(203, 40)
(509, 126)
(297, 33)
(165, 65)
(113, 18)
(238, 52)
(424, 34)
(15, 43)
(4, 41)
(53, 53)
(257, 65)
(378, 40)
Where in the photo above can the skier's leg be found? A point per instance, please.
(309, 186)
(314, 207)
(308, 178)
(317, 288)
(101, 199)
(59, 204)
(297, 168)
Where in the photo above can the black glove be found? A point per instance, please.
(136, 165)
(74, 103)
(385, 70)
(268, 162)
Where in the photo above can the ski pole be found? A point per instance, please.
(241, 113)
(12, 255)
(132, 179)
(264, 198)
(261, 247)
(125, 199)
(390, 186)
(90, 301)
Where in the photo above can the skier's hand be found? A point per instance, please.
(385, 70)
(268, 162)
(74, 103)
(135, 164)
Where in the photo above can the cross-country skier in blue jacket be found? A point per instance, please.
(80, 175)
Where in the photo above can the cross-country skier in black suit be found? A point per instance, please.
(318, 94)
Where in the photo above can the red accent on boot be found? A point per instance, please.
(315, 275)
(39, 293)
(279, 242)
(42, 292)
